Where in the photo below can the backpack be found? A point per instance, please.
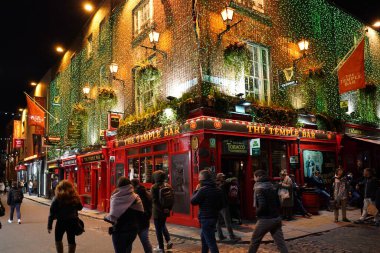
(17, 196)
(233, 193)
(166, 196)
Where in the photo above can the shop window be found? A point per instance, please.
(87, 180)
(133, 168)
(119, 172)
(133, 151)
(144, 150)
(256, 80)
(257, 5)
(142, 17)
(146, 169)
(160, 147)
(161, 162)
(279, 157)
(324, 162)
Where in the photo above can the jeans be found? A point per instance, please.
(122, 242)
(224, 214)
(367, 202)
(67, 226)
(264, 226)
(343, 204)
(161, 231)
(208, 235)
(144, 238)
(17, 206)
(30, 191)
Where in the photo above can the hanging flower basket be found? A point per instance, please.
(107, 96)
(147, 72)
(236, 55)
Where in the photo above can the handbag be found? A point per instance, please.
(372, 210)
(79, 228)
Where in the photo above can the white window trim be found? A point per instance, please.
(137, 27)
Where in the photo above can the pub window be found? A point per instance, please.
(145, 149)
(161, 162)
(119, 171)
(160, 147)
(256, 80)
(279, 157)
(257, 5)
(146, 169)
(142, 17)
(133, 168)
(87, 180)
(133, 151)
(324, 162)
(89, 46)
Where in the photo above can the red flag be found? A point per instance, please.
(36, 116)
(351, 74)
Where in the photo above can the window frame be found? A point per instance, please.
(139, 27)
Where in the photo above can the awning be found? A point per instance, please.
(373, 141)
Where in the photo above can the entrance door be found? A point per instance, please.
(95, 190)
(237, 167)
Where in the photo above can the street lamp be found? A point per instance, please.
(376, 24)
(154, 36)
(88, 7)
(227, 15)
(114, 68)
(303, 45)
(59, 49)
(33, 84)
(86, 92)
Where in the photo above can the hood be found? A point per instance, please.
(158, 176)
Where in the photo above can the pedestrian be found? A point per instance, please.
(2, 187)
(285, 192)
(64, 208)
(144, 218)
(125, 208)
(368, 188)
(317, 181)
(209, 198)
(340, 194)
(353, 194)
(268, 206)
(15, 197)
(54, 184)
(2, 211)
(297, 198)
(163, 201)
(224, 213)
(30, 187)
(22, 184)
(234, 199)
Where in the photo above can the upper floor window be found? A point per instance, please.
(257, 5)
(257, 83)
(89, 46)
(142, 16)
(102, 33)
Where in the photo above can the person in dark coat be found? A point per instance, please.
(64, 208)
(15, 197)
(368, 187)
(144, 218)
(268, 206)
(210, 200)
(125, 209)
(160, 214)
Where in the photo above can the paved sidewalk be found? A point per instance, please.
(298, 228)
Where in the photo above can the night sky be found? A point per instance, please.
(31, 29)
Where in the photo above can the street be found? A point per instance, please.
(32, 236)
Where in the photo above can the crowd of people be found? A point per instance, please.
(132, 206)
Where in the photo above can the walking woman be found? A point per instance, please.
(15, 197)
(285, 193)
(126, 207)
(64, 209)
(340, 194)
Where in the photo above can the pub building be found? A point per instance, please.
(69, 169)
(236, 148)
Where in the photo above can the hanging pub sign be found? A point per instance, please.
(235, 147)
(114, 120)
(51, 140)
(286, 78)
(92, 158)
(344, 105)
(74, 130)
(18, 143)
(69, 162)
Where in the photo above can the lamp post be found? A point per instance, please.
(154, 37)
(303, 46)
(114, 67)
(227, 15)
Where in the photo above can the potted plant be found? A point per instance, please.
(107, 96)
(236, 56)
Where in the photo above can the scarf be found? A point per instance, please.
(122, 199)
(261, 185)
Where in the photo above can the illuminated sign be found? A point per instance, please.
(92, 158)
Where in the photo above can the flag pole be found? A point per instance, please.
(40, 106)
(344, 59)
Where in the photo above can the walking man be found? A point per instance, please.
(209, 198)
(268, 207)
(14, 200)
(224, 214)
(340, 194)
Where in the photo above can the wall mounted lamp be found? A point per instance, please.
(303, 46)
(227, 16)
(154, 37)
(114, 67)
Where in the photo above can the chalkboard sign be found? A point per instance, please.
(74, 130)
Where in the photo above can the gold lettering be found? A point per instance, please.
(289, 132)
(158, 134)
(296, 132)
(166, 133)
(276, 131)
(271, 130)
(256, 129)
(262, 130)
(150, 135)
(313, 135)
(176, 130)
(249, 128)
(282, 131)
(171, 131)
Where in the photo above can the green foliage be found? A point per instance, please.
(107, 97)
(275, 115)
(146, 72)
(236, 56)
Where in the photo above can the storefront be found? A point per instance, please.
(360, 149)
(36, 173)
(236, 148)
(70, 169)
(92, 179)
(52, 172)
(21, 173)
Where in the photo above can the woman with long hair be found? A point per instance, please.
(125, 208)
(64, 209)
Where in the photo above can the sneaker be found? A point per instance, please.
(10, 221)
(169, 245)
(157, 250)
(19, 221)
